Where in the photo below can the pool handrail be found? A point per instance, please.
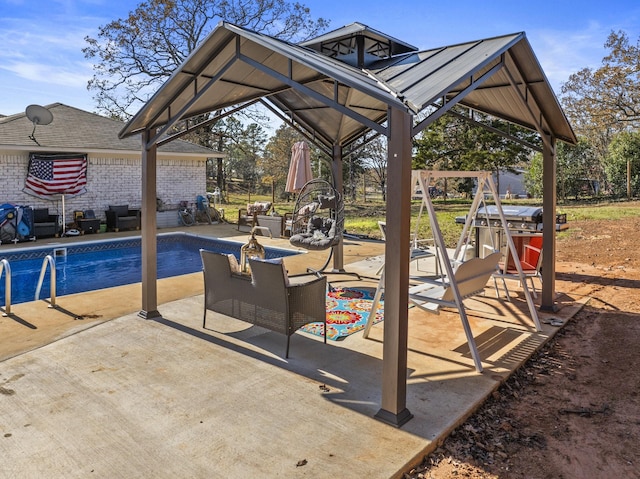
(6, 267)
(48, 261)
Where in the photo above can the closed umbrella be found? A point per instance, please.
(299, 167)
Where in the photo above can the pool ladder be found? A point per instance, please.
(4, 266)
(51, 262)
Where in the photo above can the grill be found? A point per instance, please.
(521, 220)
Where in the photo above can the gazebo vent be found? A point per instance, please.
(358, 45)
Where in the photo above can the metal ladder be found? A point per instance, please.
(48, 261)
(4, 266)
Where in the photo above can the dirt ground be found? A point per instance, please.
(573, 410)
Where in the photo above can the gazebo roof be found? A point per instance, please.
(336, 102)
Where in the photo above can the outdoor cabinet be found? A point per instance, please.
(87, 221)
(273, 223)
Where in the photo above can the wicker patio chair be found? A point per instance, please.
(269, 298)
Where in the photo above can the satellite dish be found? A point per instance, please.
(38, 115)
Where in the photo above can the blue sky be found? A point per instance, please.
(41, 41)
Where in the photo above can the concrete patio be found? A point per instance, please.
(91, 389)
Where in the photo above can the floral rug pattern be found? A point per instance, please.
(347, 313)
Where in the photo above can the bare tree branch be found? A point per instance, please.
(134, 55)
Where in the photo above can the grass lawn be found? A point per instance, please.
(362, 218)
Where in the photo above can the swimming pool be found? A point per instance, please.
(103, 264)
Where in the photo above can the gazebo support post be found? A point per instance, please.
(396, 323)
(549, 198)
(148, 221)
(336, 171)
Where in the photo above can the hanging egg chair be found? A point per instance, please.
(317, 222)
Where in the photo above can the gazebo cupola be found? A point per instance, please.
(358, 45)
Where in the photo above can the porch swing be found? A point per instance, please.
(317, 222)
(459, 278)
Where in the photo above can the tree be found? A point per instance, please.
(578, 171)
(443, 146)
(623, 164)
(599, 103)
(136, 54)
(217, 136)
(223, 136)
(246, 153)
(452, 143)
(533, 176)
(277, 155)
(353, 168)
(375, 162)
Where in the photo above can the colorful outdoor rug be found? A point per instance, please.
(347, 313)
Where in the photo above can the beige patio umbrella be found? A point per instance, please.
(299, 167)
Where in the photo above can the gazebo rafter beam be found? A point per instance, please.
(313, 94)
(538, 120)
(304, 131)
(206, 122)
(194, 75)
(497, 131)
(175, 118)
(497, 86)
(285, 110)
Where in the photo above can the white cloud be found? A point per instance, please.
(562, 53)
(51, 73)
(41, 61)
(40, 53)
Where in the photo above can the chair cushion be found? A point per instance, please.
(233, 263)
(41, 215)
(308, 209)
(327, 202)
(120, 210)
(127, 222)
(280, 262)
(310, 242)
(258, 207)
(325, 226)
(320, 234)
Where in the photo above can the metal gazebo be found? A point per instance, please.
(337, 89)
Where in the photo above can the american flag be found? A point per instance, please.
(56, 174)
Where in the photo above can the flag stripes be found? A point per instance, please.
(56, 174)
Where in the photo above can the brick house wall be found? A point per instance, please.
(111, 180)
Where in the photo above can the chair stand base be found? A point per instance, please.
(395, 420)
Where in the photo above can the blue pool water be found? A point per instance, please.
(104, 264)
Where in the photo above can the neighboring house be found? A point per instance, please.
(508, 183)
(511, 182)
(113, 174)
